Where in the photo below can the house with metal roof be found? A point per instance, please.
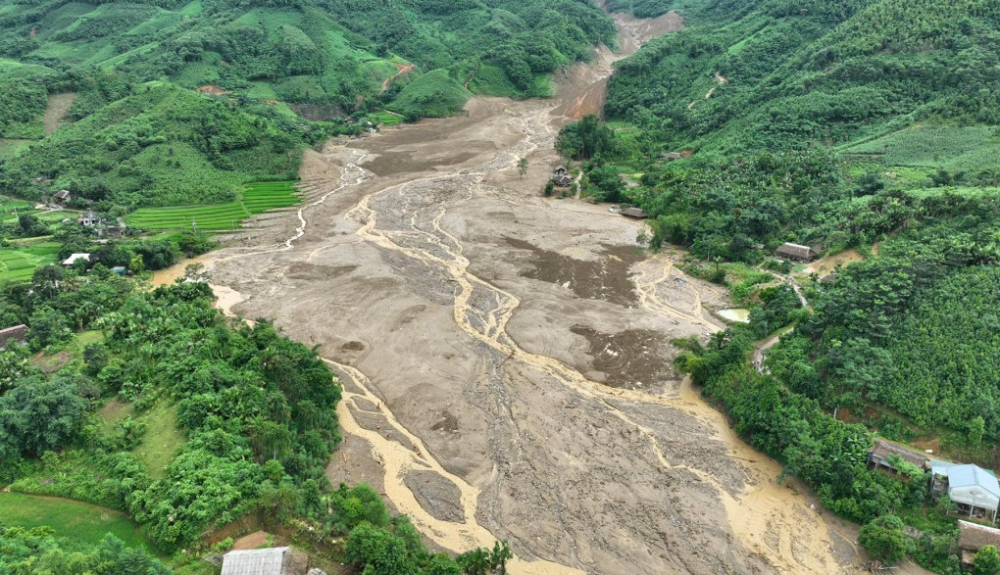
(796, 253)
(274, 561)
(975, 490)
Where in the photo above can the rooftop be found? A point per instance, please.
(254, 562)
(968, 475)
(974, 537)
(883, 449)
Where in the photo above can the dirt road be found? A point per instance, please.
(506, 359)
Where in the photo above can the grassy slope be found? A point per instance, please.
(77, 522)
(162, 441)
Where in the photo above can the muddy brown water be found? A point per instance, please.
(506, 405)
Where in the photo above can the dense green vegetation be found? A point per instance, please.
(795, 114)
(273, 77)
(842, 125)
(166, 410)
(161, 146)
(37, 551)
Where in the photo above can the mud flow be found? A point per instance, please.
(506, 358)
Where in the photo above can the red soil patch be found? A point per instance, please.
(252, 541)
(403, 69)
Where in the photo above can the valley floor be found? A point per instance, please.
(506, 358)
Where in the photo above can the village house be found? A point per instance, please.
(14, 334)
(561, 177)
(796, 253)
(61, 197)
(975, 490)
(274, 561)
(973, 537)
(73, 258)
(91, 219)
(634, 213)
(885, 456)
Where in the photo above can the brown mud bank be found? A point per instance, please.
(490, 343)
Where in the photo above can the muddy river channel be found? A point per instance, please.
(506, 358)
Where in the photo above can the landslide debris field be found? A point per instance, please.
(506, 357)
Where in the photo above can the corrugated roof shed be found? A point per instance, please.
(883, 449)
(969, 475)
(15, 333)
(974, 537)
(635, 213)
(796, 251)
(254, 562)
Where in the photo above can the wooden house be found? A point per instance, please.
(973, 537)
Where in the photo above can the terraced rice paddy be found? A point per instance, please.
(19, 262)
(258, 198)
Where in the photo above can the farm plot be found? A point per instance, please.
(19, 263)
(256, 199)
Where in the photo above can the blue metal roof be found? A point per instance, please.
(969, 475)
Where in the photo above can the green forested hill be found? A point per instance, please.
(275, 76)
(317, 51)
(160, 146)
(869, 125)
(801, 73)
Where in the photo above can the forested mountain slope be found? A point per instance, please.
(273, 78)
(316, 51)
(801, 73)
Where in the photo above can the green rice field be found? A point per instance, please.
(256, 199)
(18, 262)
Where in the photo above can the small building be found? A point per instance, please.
(975, 490)
(561, 177)
(828, 278)
(885, 456)
(119, 270)
(14, 334)
(274, 561)
(635, 213)
(672, 156)
(73, 258)
(91, 219)
(796, 252)
(972, 537)
(61, 197)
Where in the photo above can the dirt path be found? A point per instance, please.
(403, 70)
(506, 359)
(55, 112)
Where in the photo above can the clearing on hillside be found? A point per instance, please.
(74, 520)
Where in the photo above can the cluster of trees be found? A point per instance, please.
(257, 412)
(914, 328)
(37, 552)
